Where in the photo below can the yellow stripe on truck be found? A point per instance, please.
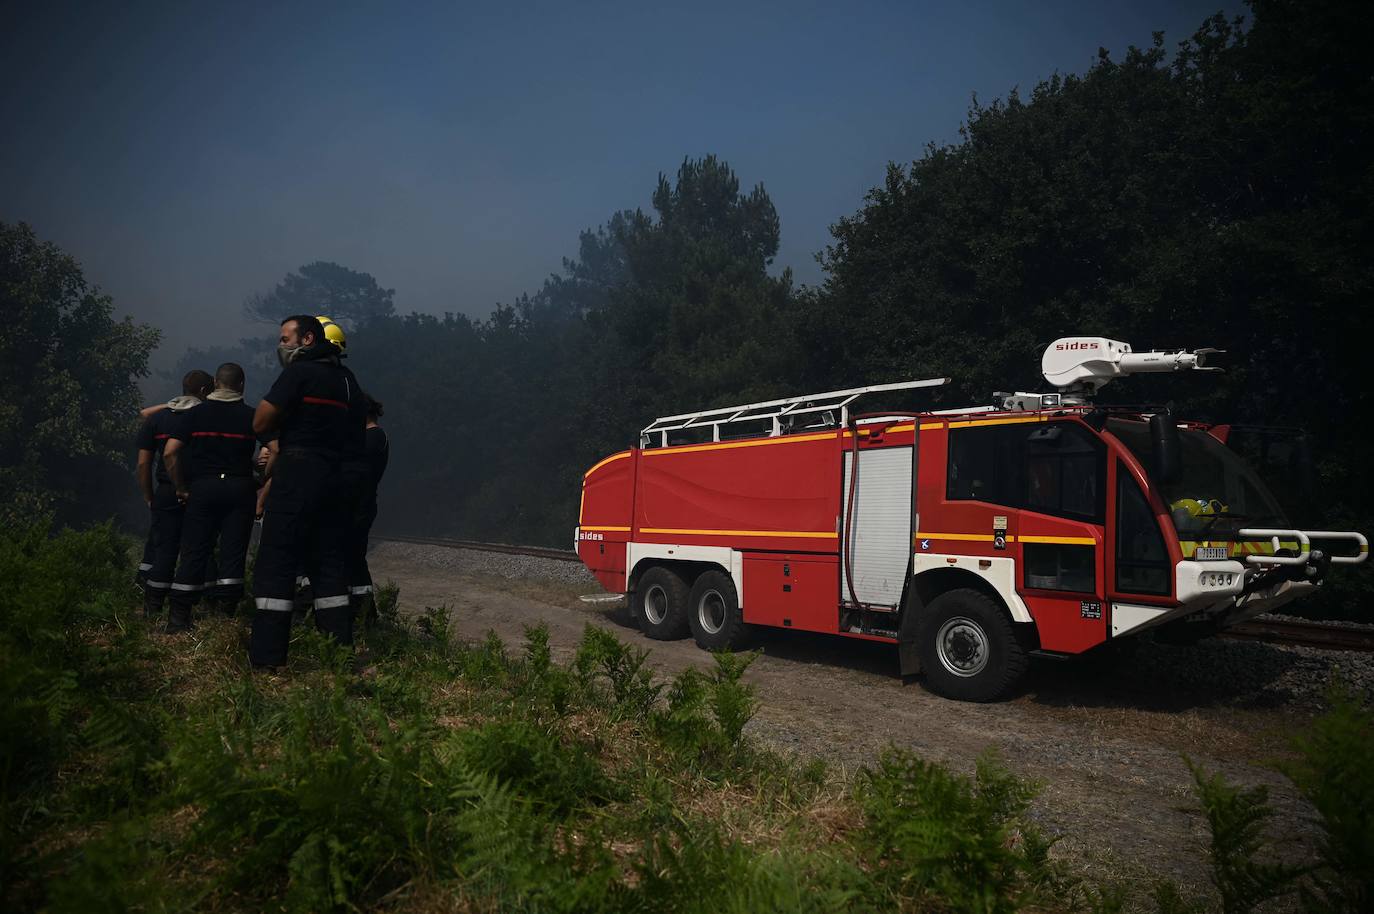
(597, 466)
(785, 534)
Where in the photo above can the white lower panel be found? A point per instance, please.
(879, 525)
(1134, 617)
(1000, 573)
(731, 560)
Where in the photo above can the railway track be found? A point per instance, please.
(562, 555)
(1304, 634)
(1274, 631)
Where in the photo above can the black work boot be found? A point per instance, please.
(270, 637)
(178, 618)
(336, 622)
(153, 598)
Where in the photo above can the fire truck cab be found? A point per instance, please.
(972, 538)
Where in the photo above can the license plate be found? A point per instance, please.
(1211, 553)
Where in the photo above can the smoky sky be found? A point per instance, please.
(190, 154)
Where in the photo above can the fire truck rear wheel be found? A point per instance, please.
(660, 604)
(713, 613)
(969, 648)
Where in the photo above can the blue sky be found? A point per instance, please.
(190, 154)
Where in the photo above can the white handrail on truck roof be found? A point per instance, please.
(780, 412)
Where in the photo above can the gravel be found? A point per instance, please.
(496, 564)
(1233, 673)
(1250, 674)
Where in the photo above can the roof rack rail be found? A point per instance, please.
(783, 416)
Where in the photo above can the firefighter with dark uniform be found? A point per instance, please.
(367, 471)
(210, 460)
(317, 410)
(165, 510)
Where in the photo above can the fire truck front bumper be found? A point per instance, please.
(1201, 584)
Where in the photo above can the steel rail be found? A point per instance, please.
(1303, 634)
(562, 555)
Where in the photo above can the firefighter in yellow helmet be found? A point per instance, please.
(316, 408)
(334, 333)
(361, 470)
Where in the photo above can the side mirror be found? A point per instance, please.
(1167, 448)
(1301, 467)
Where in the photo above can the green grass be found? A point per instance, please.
(425, 773)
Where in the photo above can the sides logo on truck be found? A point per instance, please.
(587, 535)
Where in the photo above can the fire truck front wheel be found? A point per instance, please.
(713, 613)
(660, 604)
(969, 648)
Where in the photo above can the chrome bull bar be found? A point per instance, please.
(1304, 540)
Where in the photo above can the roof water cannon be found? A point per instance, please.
(1080, 365)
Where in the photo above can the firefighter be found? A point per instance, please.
(367, 472)
(165, 510)
(317, 410)
(210, 460)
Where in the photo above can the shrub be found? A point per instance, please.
(937, 837)
(1236, 819)
(696, 869)
(323, 796)
(387, 598)
(1334, 773)
(705, 717)
(65, 681)
(556, 778)
(600, 654)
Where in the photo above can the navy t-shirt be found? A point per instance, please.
(153, 435)
(322, 406)
(219, 438)
(378, 451)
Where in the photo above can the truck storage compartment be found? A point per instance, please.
(791, 591)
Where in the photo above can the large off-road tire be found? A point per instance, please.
(713, 613)
(969, 647)
(660, 604)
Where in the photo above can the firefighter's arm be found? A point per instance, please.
(147, 411)
(171, 458)
(273, 449)
(266, 419)
(262, 498)
(145, 475)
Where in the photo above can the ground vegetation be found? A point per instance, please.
(425, 772)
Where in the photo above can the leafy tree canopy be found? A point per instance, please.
(322, 287)
(69, 370)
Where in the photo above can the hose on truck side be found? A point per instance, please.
(849, 512)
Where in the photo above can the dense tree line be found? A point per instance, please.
(1216, 196)
(1219, 196)
(69, 374)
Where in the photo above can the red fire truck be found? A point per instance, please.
(970, 538)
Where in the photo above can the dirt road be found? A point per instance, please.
(1104, 740)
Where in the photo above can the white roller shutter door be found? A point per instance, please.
(880, 525)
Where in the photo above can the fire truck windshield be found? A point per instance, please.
(1217, 492)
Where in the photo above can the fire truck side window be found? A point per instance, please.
(1055, 468)
(1142, 563)
(982, 465)
(1065, 465)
